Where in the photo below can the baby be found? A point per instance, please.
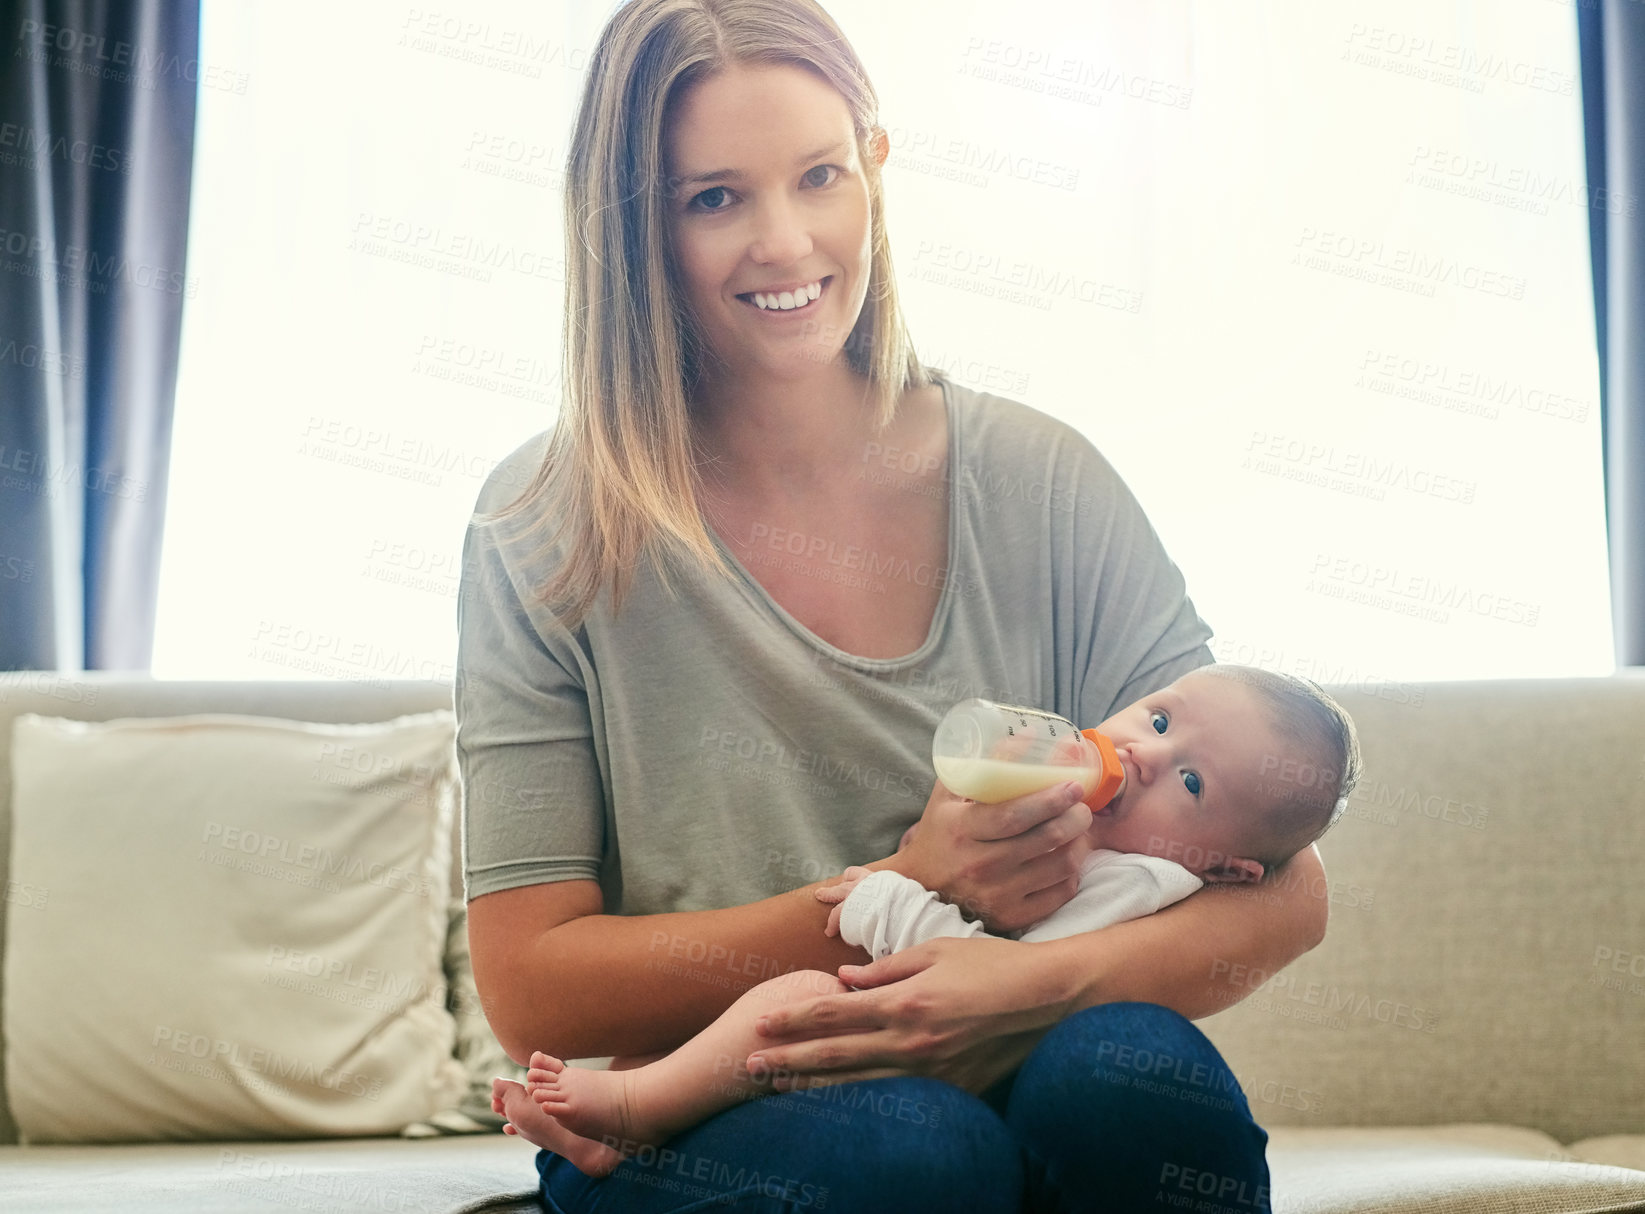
(1229, 772)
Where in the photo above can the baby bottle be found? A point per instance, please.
(993, 752)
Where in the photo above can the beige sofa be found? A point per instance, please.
(1470, 1036)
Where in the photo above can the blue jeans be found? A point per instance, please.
(1121, 1107)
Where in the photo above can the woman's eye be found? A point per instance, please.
(1158, 721)
(820, 169)
(1191, 781)
(717, 192)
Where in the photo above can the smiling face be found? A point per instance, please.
(1199, 759)
(768, 208)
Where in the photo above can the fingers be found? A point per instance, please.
(1050, 870)
(847, 882)
(824, 1061)
(1041, 903)
(894, 968)
(1053, 832)
(823, 1016)
(833, 928)
(840, 892)
(1008, 819)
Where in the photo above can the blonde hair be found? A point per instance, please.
(619, 476)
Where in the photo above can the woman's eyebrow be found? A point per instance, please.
(719, 175)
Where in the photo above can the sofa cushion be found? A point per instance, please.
(1486, 920)
(1618, 1150)
(243, 927)
(1457, 1169)
(371, 1174)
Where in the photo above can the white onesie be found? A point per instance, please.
(888, 912)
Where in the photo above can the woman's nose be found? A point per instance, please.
(781, 235)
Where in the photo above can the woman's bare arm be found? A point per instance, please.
(557, 974)
(1207, 952)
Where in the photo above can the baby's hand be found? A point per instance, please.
(837, 894)
(848, 882)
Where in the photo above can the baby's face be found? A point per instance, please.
(1196, 756)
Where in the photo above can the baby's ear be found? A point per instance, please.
(1233, 871)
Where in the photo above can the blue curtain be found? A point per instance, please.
(1612, 35)
(97, 104)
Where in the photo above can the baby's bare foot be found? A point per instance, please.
(528, 1120)
(596, 1104)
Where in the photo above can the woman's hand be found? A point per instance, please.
(1007, 864)
(923, 1011)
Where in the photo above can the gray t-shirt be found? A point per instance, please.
(711, 751)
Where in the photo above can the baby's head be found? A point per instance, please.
(1230, 771)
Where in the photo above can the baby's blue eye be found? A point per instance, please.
(1192, 782)
(1158, 721)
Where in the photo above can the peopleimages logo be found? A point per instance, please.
(1450, 63)
(811, 763)
(266, 850)
(850, 557)
(97, 55)
(342, 980)
(710, 1181)
(80, 266)
(1382, 370)
(1052, 71)
(1320, 1002)
(1038, 284)
(256, 1059)
(921, 150)
(1427, 597)
(29, 142)
(1403, 268)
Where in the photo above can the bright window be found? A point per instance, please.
(1313, 277)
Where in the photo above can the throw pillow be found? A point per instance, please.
(245, 932)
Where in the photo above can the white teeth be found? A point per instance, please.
(787, 301)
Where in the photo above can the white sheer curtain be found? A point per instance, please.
(1313, 277)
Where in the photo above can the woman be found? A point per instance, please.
(702, 654)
